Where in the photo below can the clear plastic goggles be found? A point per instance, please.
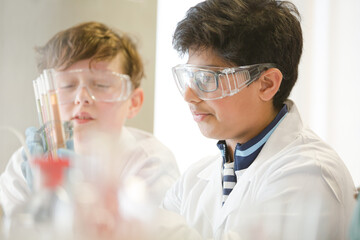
(102, 86)
(210, 83)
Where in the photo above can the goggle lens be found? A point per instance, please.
(211, 83)
(103, 86)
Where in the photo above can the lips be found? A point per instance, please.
(199, 115)
(82, 117)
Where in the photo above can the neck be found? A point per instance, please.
(260, 126)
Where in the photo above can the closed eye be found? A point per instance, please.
(67, 86)
(102, 86)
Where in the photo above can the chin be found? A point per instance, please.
(208, 133)
(80, 134)
(84, 132)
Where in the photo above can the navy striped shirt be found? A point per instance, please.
(245, 154)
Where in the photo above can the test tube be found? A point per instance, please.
(43, 109)
(36, 86)
(57, 130)
(49, 113)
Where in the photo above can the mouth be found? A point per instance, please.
(82, 117)
(199, 116)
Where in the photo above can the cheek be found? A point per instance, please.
(225, 109)
(234, 109)
(227, 117)
(113, 115)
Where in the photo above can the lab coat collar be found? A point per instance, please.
(119, 144)
(287, 131)
(126, 136)
(211, 170)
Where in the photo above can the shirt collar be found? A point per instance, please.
(246, 153)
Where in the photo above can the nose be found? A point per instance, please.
(83, 96)
(190, 96)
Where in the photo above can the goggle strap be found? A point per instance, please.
(227, 88)
(242, 78)
(233, 89)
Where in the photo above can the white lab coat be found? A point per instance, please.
(149, 159)
(297, 188)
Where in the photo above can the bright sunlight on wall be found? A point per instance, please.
(173, 123)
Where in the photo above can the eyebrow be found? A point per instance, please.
(217, 66)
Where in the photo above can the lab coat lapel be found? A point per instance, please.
(211, 199)
(234, 201)
(212, 195)
(285, 133)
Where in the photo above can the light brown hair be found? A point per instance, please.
(91, 40)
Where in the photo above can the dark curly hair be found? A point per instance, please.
(245, 32)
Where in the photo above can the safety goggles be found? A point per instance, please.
(210, 83)
(102, 85)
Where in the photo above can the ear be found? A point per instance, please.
(270, 82)
(136, 102)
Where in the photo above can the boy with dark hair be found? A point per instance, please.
(274, 178)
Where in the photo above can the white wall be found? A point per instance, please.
(326, 91)
(25, 24)
(173, 122)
